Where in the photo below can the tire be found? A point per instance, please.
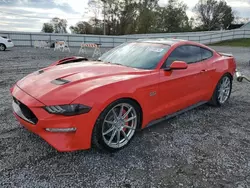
(108, 127)
(2, 47)
(222, 94)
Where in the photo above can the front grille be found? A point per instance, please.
(26, 112)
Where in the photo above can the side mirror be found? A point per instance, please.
(177, 65)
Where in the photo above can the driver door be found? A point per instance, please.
(179, 89)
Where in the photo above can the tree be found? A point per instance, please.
(82, 28)
(48, 28)
(126, 14)
(135, 16)
(112, 10)
(146, 17)
(214, 14)
(56, 25)
(59, 25)
(172, 18)
(97, 25)
(97, 7)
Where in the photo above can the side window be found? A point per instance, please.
(187, 53)
(206, 54)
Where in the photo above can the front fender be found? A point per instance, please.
(138, 89)
(102, 106)
(99, 98)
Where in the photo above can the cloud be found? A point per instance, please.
(79, 6)
(43, 4)
(29, 15)
(239, 3)
(16, 14)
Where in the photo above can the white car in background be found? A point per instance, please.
(5, 43)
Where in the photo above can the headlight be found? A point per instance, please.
(68, 110)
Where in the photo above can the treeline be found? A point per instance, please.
(147, 16)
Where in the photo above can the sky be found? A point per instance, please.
(29, 15)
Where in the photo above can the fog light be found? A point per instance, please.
(62, 130)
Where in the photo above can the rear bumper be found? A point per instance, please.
(62, 141)
(9, 44)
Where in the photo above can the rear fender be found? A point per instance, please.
(224, 65)
(230, 63)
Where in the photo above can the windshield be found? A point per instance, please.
(136, 54)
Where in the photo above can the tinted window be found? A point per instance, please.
(206, 54)
(187, 53)
(136, 54)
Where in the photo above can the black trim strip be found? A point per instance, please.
(175, 114)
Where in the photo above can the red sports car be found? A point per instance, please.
(76, 103)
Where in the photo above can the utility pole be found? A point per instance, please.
(104, 17)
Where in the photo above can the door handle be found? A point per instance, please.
(202, 71)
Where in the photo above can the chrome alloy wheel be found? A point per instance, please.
(224, 90)
(119, 125)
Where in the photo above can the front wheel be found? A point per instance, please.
(222, 91)
(116, 125)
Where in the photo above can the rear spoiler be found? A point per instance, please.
(67, 60)
(225, 54)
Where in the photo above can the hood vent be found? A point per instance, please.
(59, 81)
(40, 71)
(70, 60)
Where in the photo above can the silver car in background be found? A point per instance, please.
(5, 43)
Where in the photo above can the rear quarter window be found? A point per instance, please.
(206, 54)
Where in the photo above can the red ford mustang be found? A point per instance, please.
(75, 103)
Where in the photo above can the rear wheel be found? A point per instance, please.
(222, 91)
(2, 47)
(116, 125)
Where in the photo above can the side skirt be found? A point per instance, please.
(175, 114)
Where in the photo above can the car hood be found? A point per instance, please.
(63, 83)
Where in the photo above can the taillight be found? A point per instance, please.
(11, 89)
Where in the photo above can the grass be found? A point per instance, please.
(235, 42)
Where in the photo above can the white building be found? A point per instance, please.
(246, 26)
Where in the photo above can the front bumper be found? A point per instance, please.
(78, 139)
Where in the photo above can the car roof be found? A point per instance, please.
(167, 41)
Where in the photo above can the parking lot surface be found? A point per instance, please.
(205, 147)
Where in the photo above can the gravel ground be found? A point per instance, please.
(205, 147)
